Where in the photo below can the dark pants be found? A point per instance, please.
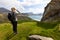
(14, 23)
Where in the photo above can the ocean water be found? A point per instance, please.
(36, 17)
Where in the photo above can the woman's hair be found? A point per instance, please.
(13, 8)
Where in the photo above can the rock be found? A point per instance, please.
(38, 37)
(52, 11)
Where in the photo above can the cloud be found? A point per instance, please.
(30, 2)
(34, 2)
(35, 10)
(35, 6)
(11, 3)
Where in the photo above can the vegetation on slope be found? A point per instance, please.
(27, 28)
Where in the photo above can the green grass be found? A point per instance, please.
(27, 28)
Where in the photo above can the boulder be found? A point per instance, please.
(38, 37)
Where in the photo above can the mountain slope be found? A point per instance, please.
(52, 11)
(3, 10)
(4, 18)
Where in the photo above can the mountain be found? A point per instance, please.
(4, 18)
(52, 12)
(4, 10)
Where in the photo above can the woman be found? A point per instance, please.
(13, 18)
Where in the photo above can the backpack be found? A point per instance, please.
(9, 17)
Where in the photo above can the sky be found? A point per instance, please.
(34, 6)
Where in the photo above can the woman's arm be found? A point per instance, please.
(18, 11)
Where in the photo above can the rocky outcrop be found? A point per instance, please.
(38, 37)
(52, 11)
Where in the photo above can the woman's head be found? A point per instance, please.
(13, 9)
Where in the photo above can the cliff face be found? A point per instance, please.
(52, 11)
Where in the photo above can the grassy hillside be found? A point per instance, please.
(27, 28)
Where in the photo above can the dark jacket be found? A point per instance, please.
(12, 16)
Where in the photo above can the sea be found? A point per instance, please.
(35, 17)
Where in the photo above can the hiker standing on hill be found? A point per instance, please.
(13, 19)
